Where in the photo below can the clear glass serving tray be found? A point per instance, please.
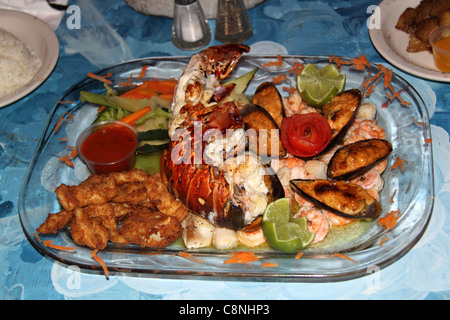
(411, 190)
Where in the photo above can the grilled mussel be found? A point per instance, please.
(340, 113)
(342, 198)
(355, 159)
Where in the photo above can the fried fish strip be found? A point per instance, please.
(96, 189)
(159, 194)
(56, 222)
(151, 229)
(135, 175)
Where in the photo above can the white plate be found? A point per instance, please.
(40, 39)
(391, 43)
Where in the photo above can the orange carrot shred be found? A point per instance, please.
(278, 63)
(360, 63)
(69, 115)
(63, 139)
(420, 123)
(189, 256)
(127, 83)
(49, 243)
(280, 78)
(244, 257)
(390, 220)
(59, 123)
(343, 256)
(428, 140)
(297, 68)
(299, 255)
(382, 241)
(142, 74)
(269, 264)
(101, 262)
(393, 195)
(101, 78)
(73, 154)
(65, 102)
(398, 163)
(101, 108)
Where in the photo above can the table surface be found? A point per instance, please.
(116, 33)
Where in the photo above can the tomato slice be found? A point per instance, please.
(305, 135)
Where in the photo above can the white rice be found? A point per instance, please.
(17, 64)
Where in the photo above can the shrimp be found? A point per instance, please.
(363, 129)
(317, 222)
(251, 239)
(295, 105)
(291, 168)
(371, 181)
(335, 220)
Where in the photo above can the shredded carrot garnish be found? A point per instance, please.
(59, 123)
(420, 123)
(69, 115)
(74, 153)
(63, 139)
(409, 185)
(382, 241)
(390, 220)
(66, 160)
(102, 263)
(278, 63)
(135, 116)
(65, 102)
(289, 90)
(128, 83)
(343, 256)
(360, 63)
(101, 78)
(189, 256)
(299, 255)
(339, 62)
(142, 74)
(398, 163)
(369, 91)
(428, 140)
(49, 243)
(297, 68)
(245, 257)
(280, 78)
(269, 264)
(393, 195)
(101, 108)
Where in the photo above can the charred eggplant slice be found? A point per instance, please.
(266, 131)
(340, 113)
(268, 97)
(357, 158)
(344, 199)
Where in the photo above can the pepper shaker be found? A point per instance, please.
(232, 22)
(190, 29)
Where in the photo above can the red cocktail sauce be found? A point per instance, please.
(110, 148)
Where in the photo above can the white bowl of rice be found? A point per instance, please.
(29, 50)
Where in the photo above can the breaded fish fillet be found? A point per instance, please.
(96, 189)
(159, 194)
(150, 229)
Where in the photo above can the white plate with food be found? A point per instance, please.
(37, 45)
(346, 248)
(392, 43)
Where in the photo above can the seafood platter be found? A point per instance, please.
(223, 144)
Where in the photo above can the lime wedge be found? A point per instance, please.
(282, 231)
(319, 86)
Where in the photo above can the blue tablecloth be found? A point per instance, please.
(112, 32)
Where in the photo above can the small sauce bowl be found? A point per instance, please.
(108, 146)
(439, 40)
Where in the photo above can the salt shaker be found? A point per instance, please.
(232, 22)
(190, 29)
